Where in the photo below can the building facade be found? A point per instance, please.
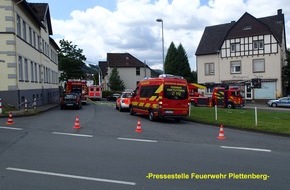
(131, 70)
(28, 55)
(235, 53)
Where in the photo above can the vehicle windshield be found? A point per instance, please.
(70, 96)
(235, 93)
(126, 95)
(175, 92)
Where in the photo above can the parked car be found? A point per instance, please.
(113, 97)
(282, 102)
(123, 101)
(72, 100)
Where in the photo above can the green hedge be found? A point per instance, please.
(107, 93)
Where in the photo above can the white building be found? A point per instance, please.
(130, 69)
(237, 52)
(28, 55)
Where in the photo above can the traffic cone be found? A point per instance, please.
(221, 133)
(10, 119)
(77, 123)
(138, 129)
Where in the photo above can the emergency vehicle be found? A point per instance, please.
(77, 86)
(162, 97)
(123, 102)
(227, 97)
(95, 92)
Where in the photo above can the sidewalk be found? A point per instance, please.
(30, 111)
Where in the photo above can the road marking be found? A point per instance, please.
(72, 134)
(70, 176)
(140, 140)
(244, 148)
(11, 128)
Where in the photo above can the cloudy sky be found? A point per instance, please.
(117, 26)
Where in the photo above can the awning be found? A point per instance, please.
(194, 85)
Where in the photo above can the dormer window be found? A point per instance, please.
(247, 27)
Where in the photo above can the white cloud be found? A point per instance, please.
(132, 27)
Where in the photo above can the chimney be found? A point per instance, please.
(280, 15)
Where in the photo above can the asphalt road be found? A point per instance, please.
(46, 152)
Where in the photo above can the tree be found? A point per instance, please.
(170, 60)
(71, 61)
(183, 68)
(115, 82)
(194, 74)
(176, 62)
(286, 74)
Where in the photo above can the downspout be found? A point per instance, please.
(16, 52)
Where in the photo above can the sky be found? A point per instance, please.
(99, 27)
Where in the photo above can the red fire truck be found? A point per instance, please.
(229, 97)
(77, 86)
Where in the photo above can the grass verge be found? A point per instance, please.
(269, 121)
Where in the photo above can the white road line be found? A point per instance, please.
(11, 128)
(140, 140)
(70, 176)
(72, 134)
(244, 148)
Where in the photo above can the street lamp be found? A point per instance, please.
(160, 20)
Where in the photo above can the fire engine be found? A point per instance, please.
(94, 92)
(163, 97)
(228, 97)
(77, 86)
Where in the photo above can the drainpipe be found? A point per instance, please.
(16, 52)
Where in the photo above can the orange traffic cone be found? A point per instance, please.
(77, 123)
(138, 129)
(10, 119)
(221, 133)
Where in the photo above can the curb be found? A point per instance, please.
(30, 112)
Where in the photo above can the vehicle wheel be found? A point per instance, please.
(61, 107)
(132, 111)
(151, 115)
(230, 106)
(274, 105)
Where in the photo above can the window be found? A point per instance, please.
(32, 71)
(20, 64)
(247, 27)
(34, 39)
(24, 30)
(138, 71)
(30, 35)
(235, 66)
(35, 70)
(174, 92)
(18, 26)
(148, 91)
(258, 44)
(209, 69)
(26, 69)
(258, 65)
(235, 47)
(40, 79)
